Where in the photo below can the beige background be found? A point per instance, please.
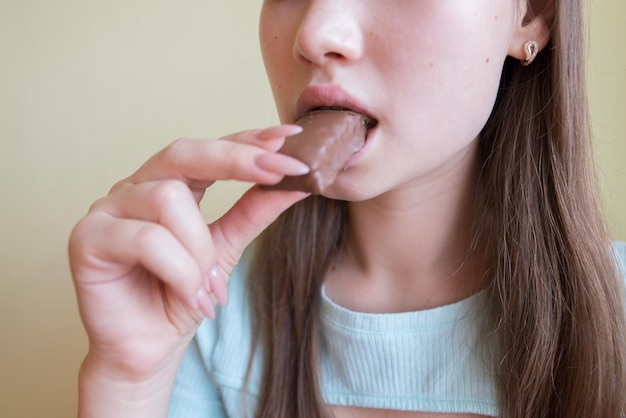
(90, 89)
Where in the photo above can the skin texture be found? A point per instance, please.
(430, 100)
(147, 268)
(428, 72)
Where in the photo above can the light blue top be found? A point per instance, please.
(417, 361)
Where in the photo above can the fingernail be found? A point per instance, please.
(281, 163)
(279, 131)
(205, 304)
(216, 284)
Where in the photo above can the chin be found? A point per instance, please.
(350, 190)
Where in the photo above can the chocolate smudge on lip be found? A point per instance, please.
(329, 139)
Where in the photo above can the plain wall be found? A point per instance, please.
(607, 95)
(90, 89)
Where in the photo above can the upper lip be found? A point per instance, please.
(333, 96)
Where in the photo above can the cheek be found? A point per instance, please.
(276, 50)
(476, 79)
(270, 38)
(450, 76)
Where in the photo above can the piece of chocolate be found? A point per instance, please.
(328, 140)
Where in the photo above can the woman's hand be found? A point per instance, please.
(147, 268)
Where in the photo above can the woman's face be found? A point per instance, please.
(426, 70)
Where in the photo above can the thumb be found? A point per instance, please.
(248, 217)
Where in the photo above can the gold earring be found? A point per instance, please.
(531, 49)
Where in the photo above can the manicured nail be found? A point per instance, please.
(216, 283)
(279, 131)
(205, 304)
(281, 164)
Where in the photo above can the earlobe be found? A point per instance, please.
(533, 31)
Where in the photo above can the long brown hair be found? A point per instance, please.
(557, 298)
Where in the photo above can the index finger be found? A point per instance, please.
(199, 163)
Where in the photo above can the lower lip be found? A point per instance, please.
(360, 153)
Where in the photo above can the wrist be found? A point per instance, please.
(107, 391)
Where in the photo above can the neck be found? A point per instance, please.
(413, 248)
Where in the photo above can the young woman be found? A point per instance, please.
(459, 266)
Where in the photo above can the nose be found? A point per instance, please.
(329, 31)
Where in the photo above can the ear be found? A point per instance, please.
(534, 24)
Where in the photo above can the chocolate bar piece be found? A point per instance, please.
(328, 140)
